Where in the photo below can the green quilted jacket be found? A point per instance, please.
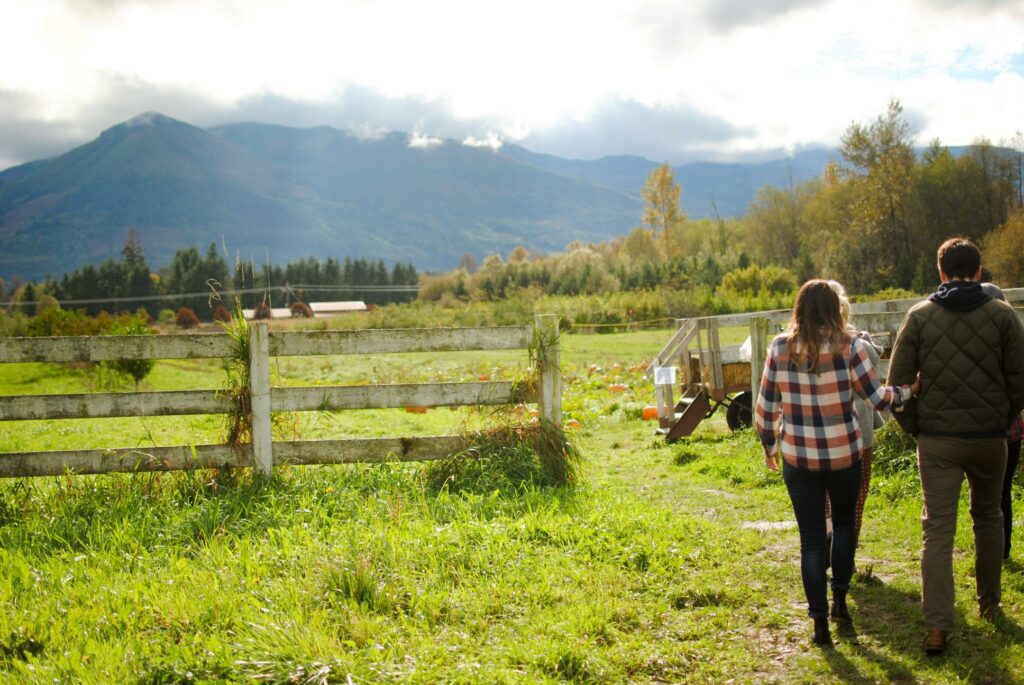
(969, 350)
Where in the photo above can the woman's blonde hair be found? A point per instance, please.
(844, 302)
(817, 321)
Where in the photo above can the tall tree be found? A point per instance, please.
(998, 182)
(137, 277)
(882, 165)
(1002, 250)
(776, 223)
(663, 215)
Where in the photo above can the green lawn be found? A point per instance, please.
(667, 564)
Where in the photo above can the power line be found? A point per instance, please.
(362, 288)
(289, 289)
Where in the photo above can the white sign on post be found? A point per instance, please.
(665, 375)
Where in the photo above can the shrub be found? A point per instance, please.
(757, 280)
(61, 322)
(895, 451)
(136, 368)
(13, 324)
(46, 302)
(301, 310)
(166, 316)
(221, 314)
(262, 311)
(887, 294)
(186, 318)
(144, 316)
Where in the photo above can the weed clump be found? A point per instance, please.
(301, 310)
(186, 318)
(895, 450)
(262, 312)
(221, 314)
(508, 457)
(137, 369)
(236, 380)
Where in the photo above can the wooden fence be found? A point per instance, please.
(263, 453)
(881, 319)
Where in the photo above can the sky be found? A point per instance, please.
(671, 80)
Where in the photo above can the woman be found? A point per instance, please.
(805, 410)
(868, 418)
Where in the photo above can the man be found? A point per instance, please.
(968, 349)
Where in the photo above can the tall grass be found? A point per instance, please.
(236, 379)
(510, 457)
(663, 563)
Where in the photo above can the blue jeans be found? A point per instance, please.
(807, 492)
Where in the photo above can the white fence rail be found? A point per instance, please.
(263, 453)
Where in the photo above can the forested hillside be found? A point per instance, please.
(282, 193)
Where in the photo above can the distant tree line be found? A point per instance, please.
(310, 280)
(202, 282)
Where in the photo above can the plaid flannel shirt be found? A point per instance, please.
(811, 417)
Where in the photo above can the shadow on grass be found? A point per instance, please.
(1013, 575)
(684, 456)
(891, 617)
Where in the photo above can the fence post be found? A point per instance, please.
(758, 348)
(259, 398)
(549, 366)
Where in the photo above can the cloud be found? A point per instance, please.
(421, 141)
(674, 133)
(617, 126)
(491, 140)
(726, 15)
(25, 136)
(660, 78)
(354, 107)
(975, 6)
(363, 111)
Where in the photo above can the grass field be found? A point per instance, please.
(667, 564)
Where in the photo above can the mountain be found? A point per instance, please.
(284, 193)
(729, 187)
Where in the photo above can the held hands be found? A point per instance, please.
(915, 387)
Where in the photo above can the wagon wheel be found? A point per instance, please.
(740, 412)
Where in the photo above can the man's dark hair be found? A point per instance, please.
(959, 258)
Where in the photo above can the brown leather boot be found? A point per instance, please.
(935, 642)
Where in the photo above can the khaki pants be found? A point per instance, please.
(944, 462)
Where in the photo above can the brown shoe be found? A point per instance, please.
(935, 642)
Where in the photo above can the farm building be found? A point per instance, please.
(337, 308)
(320, 309)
